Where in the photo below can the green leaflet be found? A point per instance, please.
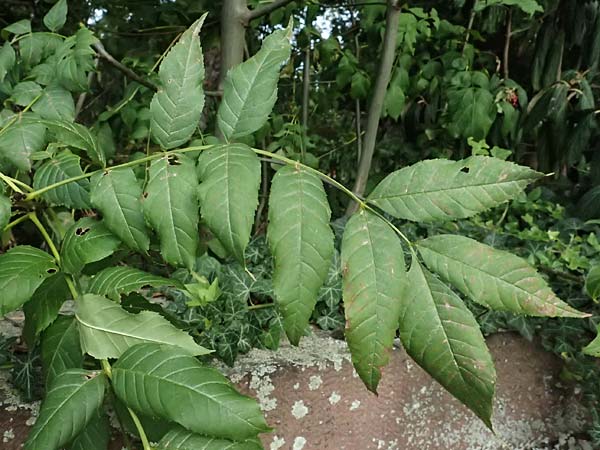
(250, 89)
(44, 306)
(22, 270)
(21, 27)
(60, 348)
(181, 439)
(168, 382)
(301, 242)
(171, 207)
(56, 103)
(593, 348)
(7, 59)
(20, 140)
(63, 166)
(228, 193)
(72, 401)
(95, 435)
(527, 6)
(25, 92)
(441, 189)
(473, 112)
(117, 195)
(57, 16)
(77, 136)
(439, 332)
(115, 281)
(177, 106)
(592, 283)
(374, 273)
(87, 241)
(494, 278)
(5, 211)
(107, 330)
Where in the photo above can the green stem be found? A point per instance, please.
(34, 218)
(263, 306)
(13, 183)
(16, 222)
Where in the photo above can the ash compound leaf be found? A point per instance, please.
(374, 276)
(250, 89)
(177, 105)
(72, 401)
(86, 241)
(77, 136)
(44, 306)
(592, 283)
(55, 103)
(117, 195)
(171, 208)
(181, 439)
(441, 189)
(22, 270)
(107, 330)
(168, 382)
(57, 16)
(63, 166)
(95, 435)
(116, 281)
(20, 140)
(440, 333)
(61, 350)
(302, 245)
(228, 193)
(493, 278)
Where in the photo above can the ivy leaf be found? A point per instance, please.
(177, 106)
(61, 350)
(86, 241)
(494, 278)
(20, 140)
(117, 195)
(63, 166)
(77, 136)
(373, 268)
(95, 435)
(56, 103)
(72, 401)
(472, 110)
(171, 207)
(7, 59)
(439, 332)
(592, 283)
(5, 211)
(22, 270)
(173, 385)
(301, 242)
(230, 179)
(441, 189)
(25, 92)
(250, 89)
(107, 330)
(181, 439)
(44, 306)
(115, 281)
(57, 16)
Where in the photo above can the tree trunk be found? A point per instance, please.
(233, 35)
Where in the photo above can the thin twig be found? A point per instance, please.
(507, 45)
(267, 9)
(101, 51)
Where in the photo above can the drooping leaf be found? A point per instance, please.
(63, 166)
(527, 6)
(61, 350)
(22, 270)
(494, 278)
(592, 283)
(86, 241)
(441, 189)
(57, 16)
(56, 103)
(117, 195)
(250, 89)
(168, 382)
(5, 211)
(171, 207)
(44, 306)
(181, 439)
(95, 435)
(25, 92)
(439, 332)
(107, 330)
(7, 59)
(177, 106)
(374, 273)
(20, 140)
(230, 179)
(116, 281)
(77, 136)
(72, 401)
(301, 242)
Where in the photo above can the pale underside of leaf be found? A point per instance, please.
(442, 336)
(494, 278)
(302, 245)
(373, 268)
(441, 189)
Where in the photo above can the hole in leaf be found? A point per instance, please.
(145, 195)
(51, 270)
(82, 231)
(173, 160)
(465, 170)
